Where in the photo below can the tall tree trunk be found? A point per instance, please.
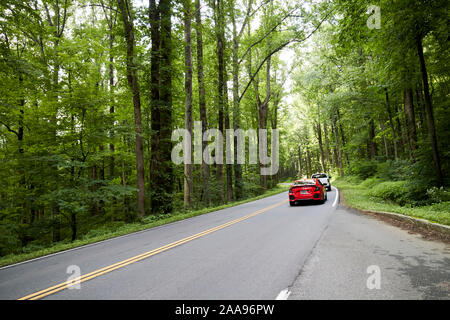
(125, 8)
(410, 121)
(238, 187)
(300, 166)
(21, 163)
(165, 183)
(111, 18)
(372, 143)
(338, 150)
(401, 130)
(342, 136)
(111, 108)
(430, 116)
(386, 148)
(275, 177)
(421, 109)
(161, 175)
(229, 152)
(188, 167)
(57, 22)
(155, 78)
(202, 99)
(263, 111)
(322, 156)
(309, 168)
(327, 145)
(221, 67)
(391, 124)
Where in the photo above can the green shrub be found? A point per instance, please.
(370, 183)
(363, 169)
(9, 239)
(438, 195)
(391, 190)
(396, 170)
(348, 179)
(401, 192)
(32, 247)
(442, 207)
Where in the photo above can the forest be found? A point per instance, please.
(91, 92)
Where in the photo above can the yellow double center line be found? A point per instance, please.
(121, 264)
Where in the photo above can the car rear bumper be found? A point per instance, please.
(315, 196)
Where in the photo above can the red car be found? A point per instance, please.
(307, 189)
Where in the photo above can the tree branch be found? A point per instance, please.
(268, 33)
(278, 49)
(9, 129)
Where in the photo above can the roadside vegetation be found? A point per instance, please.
(389, 187)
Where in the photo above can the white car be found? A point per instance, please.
(324, 179)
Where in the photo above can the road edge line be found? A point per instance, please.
(336, 199)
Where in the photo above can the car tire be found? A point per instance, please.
(291, 203)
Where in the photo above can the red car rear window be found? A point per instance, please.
(304, 183)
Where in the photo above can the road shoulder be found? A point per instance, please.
(355, 248)
(428, 229)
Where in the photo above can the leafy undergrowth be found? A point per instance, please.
(119, 229)
(396, 196)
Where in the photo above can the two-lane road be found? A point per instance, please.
(251, 251)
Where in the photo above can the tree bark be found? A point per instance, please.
(401, 130)
(202, 100)
(155, 119)
(386, 148)
(111, 19)
(263, 111)
(228, 167)
(276, 101)
(220, 57)
(322, 156)
(300, 167)
(372, 143)
(410, 121)
(309, 169)
(327, 145)
(338, 150)
(391, 124)
(165, 182)
(430, 116)
(421, 109)
(238, 187)
(188, 167)
(132, 77)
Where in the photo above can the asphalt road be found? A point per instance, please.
(259, 250)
